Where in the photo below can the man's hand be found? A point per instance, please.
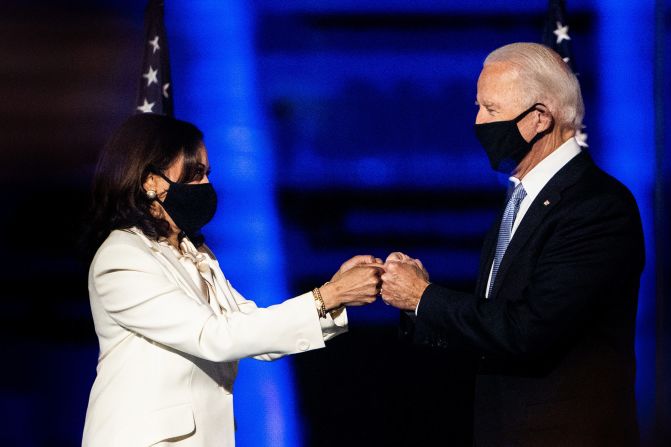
(403, 258)
(404, 281)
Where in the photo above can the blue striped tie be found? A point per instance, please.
(506, 229)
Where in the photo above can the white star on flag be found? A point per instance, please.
(146, 107)
(581, 138)
(154, 44)
(561, 32)
(151, 76)
(154, 94)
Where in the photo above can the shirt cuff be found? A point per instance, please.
(339, 316)
(420, 299)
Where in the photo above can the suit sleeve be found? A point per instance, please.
(330, 326)
(590, 254)
(135, 292)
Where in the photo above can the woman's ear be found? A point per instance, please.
(149, 183)
(149, 187)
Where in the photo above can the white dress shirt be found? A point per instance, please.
(535, 181)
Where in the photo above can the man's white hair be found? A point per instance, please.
(545, 78)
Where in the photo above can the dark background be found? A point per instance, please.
(335, 128)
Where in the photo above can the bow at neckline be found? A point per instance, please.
(189, 251)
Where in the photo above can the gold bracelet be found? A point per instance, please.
(338, 310)
(318, 297)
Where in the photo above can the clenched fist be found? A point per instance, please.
(356, 283)
(403, 281)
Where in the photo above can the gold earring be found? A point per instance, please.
(151, 194)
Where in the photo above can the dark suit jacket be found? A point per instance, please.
(556, 336)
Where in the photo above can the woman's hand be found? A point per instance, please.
(352, 262)
(356, 283)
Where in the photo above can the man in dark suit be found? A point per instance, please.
(552, 319)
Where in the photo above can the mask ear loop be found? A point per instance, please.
(539, 135)
(152, 169)
(151, 194)
(521, 116)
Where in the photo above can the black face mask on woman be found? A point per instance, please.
(190, 206)
(503, 142)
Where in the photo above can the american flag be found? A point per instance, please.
(556, 33)
(556, 36)
(155, 92)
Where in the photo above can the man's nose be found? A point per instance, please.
(480, 117)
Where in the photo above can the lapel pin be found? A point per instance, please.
(546, 203)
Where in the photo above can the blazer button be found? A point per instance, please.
(303, 345)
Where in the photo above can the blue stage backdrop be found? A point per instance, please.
(335, 128)
(216, 87)
(308, 101)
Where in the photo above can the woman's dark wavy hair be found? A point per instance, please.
(119, 200)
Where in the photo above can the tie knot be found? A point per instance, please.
(519, 193)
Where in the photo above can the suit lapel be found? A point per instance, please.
(226, 298)
(487, 257)
(546, 200)
(167, 256)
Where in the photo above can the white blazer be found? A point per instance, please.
(168, 360)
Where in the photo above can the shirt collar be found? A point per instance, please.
(541, 174)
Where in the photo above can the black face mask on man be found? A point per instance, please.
(189, 206)
(503, 142)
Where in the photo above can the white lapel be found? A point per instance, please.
(225, 298)
(168, 259)
(181, 274)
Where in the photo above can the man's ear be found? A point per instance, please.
(545, 120)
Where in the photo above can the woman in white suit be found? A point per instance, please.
(171, 327)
